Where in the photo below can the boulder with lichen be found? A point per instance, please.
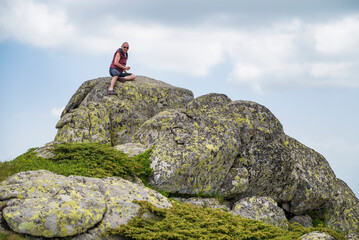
(235, 149)
(44, 204)
(93, 116)
(343, 210)
(317, 236)
(304, 220)
(261, 208)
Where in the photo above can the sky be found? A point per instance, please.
(299, 58)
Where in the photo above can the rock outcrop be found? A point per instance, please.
(236, 149)
(204, 146)
(41, 203)
(93, 116)
(343, 209)
(209, 145)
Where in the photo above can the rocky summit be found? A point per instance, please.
(203, 147)
(93, 116)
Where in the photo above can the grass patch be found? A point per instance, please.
(187, 221)
(11, 236)
(320, 217)
(82, 159)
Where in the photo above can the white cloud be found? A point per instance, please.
(34, 23)
(286, 54)
(330, 70)
(56, 112)
(338, 37)
(185, 50)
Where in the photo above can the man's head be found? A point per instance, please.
(125, 47)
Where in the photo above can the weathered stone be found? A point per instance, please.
(343, 210)
(46, 204)
(132, 149)
(205, 202)
(261, 208)
(119, 195)
(304, 220)
(89, 123)
(41, 203)
(194, 148)
(316, 180)
(46, 150)
(317, 236)
(93, 116)
(352, 236)
(235, 149)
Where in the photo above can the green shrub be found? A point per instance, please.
(82, 159)
(187, 221)
(11, 236)
(319, 217)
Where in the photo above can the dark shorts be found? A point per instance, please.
(115, 72)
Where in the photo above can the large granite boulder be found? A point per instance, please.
(41, 203)
(93, 116)
(235, 149)
(261, 208)
(343, 210)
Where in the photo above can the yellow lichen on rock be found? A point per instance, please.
(67, 206)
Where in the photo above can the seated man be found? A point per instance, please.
(118, 69)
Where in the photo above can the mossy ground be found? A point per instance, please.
(10, 236)
(186, 221)
(82, 159)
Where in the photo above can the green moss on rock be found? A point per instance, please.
(93, 116)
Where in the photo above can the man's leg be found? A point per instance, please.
(127, 78)
(113, 82)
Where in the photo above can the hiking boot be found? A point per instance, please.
(111, 92)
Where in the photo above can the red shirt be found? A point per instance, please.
(122, 61)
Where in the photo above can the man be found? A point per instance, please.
(118, 69)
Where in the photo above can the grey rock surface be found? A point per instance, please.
(343, 209)
(261, 208)
(304, 220)
(352, 236)
(93, 116)
(235, 149)
(317, 236)
(205, 202)
(132, 149)
(46, 150)
(41, 203)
